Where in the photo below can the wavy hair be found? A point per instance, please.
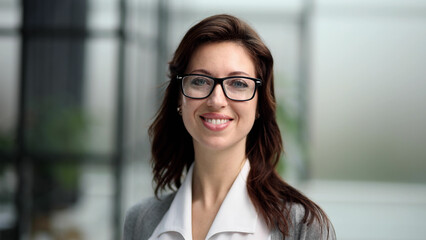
(172, 147)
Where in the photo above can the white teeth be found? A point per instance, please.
(216, 121)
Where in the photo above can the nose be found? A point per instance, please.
(217, 98)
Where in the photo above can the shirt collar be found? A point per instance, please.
(178, 217)
(236, 214)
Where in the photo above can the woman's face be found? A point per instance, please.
(216, 122)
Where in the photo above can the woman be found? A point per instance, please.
(217, 126)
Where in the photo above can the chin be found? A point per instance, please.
(216, 145)
(219, 143)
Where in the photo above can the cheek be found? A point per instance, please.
(186, 109)
(189, 108)
(247, 114)
(186, 106)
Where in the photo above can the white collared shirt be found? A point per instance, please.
(236, 219)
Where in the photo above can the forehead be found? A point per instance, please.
(222, 58)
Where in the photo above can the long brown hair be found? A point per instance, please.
(172, 148)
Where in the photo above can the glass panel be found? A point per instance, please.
(103, 15)
(142, 96)
(68, 16)
(55, 118)
(10, 16)
(142, 18)
(9, 63)
(71, 95)
(8, 186)
(100, 88)
(137, 179)
(72, 201)
(369, 94)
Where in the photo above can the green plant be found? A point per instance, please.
(55, 128)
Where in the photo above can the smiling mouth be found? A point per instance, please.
(216, 121)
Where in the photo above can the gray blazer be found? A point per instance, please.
(143, 218)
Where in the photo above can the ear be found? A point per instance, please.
(179, 105)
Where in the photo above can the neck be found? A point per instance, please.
(215, 172)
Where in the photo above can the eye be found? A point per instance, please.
(238, 83)
(200, 81)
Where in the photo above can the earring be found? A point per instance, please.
(179, 110)
(257, 115)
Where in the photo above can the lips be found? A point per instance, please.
(215, 121)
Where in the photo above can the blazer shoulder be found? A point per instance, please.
(304, 230)
(142, 218)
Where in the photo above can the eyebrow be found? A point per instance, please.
(234, 73)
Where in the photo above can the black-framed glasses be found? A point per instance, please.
(236, 88)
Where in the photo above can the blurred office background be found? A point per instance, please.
(80, 81)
